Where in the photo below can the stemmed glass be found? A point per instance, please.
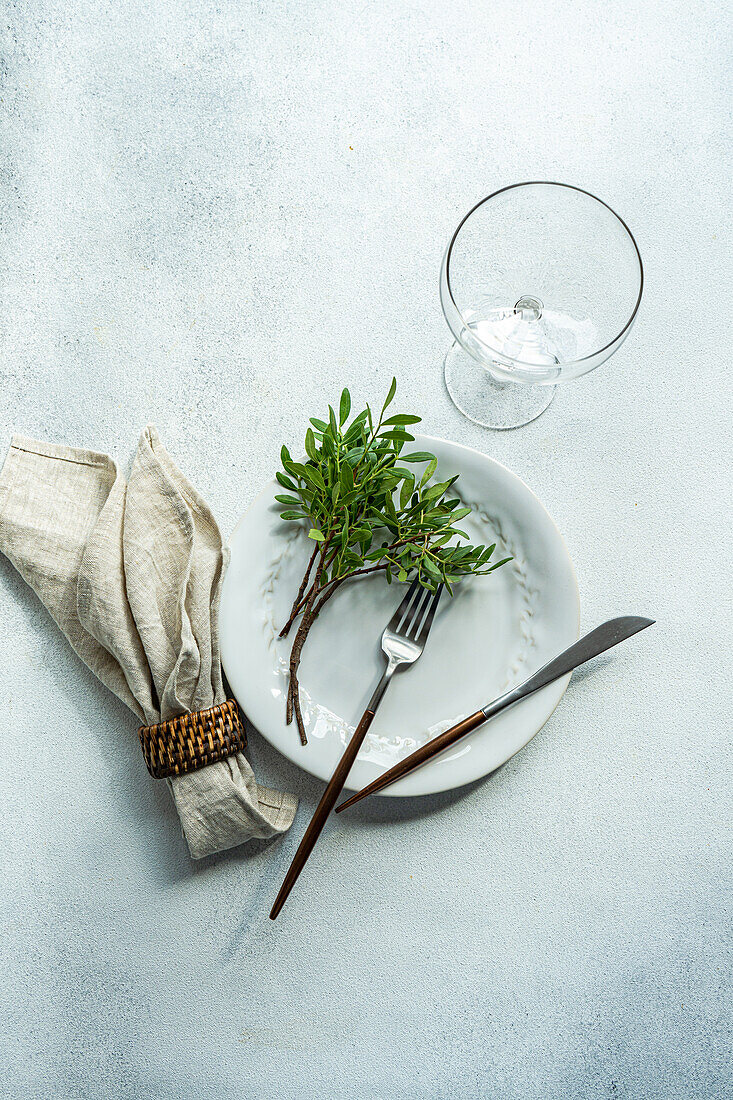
(540, 283)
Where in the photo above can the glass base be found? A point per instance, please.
(485, 400)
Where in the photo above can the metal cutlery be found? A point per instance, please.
(597, 641)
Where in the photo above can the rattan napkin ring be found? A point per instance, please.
(192, 741)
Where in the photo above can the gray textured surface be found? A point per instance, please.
(213, 216)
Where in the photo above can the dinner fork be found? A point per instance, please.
(403, 641)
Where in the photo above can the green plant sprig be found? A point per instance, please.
(371, 508)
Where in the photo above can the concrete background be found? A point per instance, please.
(213, 216)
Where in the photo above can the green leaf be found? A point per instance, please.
(293, 515)
(288, 500)
(355, 428)
(332, 423)
(390, 395)
(285, 481)
(319, 536)
(313, 477)
(320, 424)
(310, 445)
(402, 418)
(432, 570)
(445, 485)
(398, 434)
(418, 456)
(428, 472)
(345, 406)
(406, 492)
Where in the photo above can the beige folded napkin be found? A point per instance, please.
(132, 574)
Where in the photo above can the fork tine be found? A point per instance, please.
(425, 630)
(412, 611)
(411, 625)
(394, 622)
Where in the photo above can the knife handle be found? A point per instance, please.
(415, 759)
(323, 809)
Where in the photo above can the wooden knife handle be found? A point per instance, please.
(323, 809)
(418, 757)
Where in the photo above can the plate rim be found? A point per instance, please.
(394, 791)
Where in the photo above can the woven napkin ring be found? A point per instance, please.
(192, 741)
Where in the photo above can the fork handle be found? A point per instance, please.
(323, 809)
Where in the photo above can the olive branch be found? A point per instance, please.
(370, 511)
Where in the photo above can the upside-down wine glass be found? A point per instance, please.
(540, 283)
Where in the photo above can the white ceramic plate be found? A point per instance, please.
(492, 634)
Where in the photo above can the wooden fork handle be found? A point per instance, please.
(323, 809)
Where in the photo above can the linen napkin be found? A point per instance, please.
(132, 573)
